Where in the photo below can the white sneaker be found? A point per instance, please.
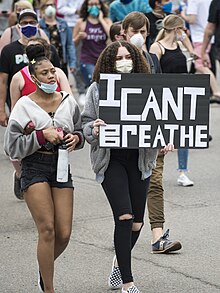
(132, 289)
(183, 180)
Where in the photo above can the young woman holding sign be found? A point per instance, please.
(172, 60)
(123, 173)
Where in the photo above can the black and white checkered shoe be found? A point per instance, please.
(132, 289)
(114, 279)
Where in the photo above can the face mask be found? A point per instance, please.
(181, 37)
(124, 66)
(29, 30)
(167, 7)
(93, 11)
(48, 88)
(126, 1)
(137, 40)
(50, 11)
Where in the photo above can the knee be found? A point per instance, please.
(125, 217)
(136, 227)
(47, 232)
(63, 237)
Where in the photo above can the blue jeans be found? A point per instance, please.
(87, 72)
(183, 159)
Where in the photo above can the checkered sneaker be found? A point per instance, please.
(132, 289)
(115, 280)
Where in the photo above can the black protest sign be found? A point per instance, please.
(143, 110)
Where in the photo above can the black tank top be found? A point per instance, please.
(173, 61)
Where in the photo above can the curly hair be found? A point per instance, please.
(84, 9)
(107, 60)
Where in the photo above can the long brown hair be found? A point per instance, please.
(107, 59)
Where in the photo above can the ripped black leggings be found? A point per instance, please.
(127, 194)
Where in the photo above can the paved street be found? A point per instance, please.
(192, 214)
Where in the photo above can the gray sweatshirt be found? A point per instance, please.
(100, 157)
(18, 145)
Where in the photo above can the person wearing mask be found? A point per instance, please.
(118, 9)
(92, 31)
(13, 58)
(123, 173)
(56, 130)
(136, 29)
(59, 34)
(13, 33)
(160, 9)
(22, 85)
(172, 60)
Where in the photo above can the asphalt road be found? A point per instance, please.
(192, 214)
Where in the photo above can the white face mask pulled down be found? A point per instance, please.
(124, 66)
(137, 40)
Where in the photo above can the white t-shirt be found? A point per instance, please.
(200, 8)
(69, 9)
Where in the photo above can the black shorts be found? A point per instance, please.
(40, 167)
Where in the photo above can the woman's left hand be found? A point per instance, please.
(71, 141)
(168, 148)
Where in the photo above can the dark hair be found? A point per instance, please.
(84, 13)
(115, 29)
(107, 59)
(153, 2)
(136, 20)
(35, 54)
(44, 43)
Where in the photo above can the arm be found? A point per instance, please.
(16, 88)
(78, 32)
(90, 114)
(156, 49)
(3, 94)
(63, 81)
(190, 18)
(187, 43)
(105, 22)
(5, 38)
(71, 52)
(209, 32)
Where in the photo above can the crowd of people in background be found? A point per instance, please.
(57, 49)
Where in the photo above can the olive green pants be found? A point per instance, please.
(155, 200)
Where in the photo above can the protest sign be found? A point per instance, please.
(143, 110)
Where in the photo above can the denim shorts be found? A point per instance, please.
(40, 167)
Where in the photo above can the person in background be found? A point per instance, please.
(136, 29)
(115, 32)
(13, 33)
(196, 14)
(92, 30)
(123, 173)
(70, 11)
(5, 11)
(118, 9)
(172, 60)
(59, 34)
(56, 121)
(212, 29)
(160, 9)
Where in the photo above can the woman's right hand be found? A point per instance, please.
(82, 35)
(96, 125)
(51, 135)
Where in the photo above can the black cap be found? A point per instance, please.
(27, 12)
